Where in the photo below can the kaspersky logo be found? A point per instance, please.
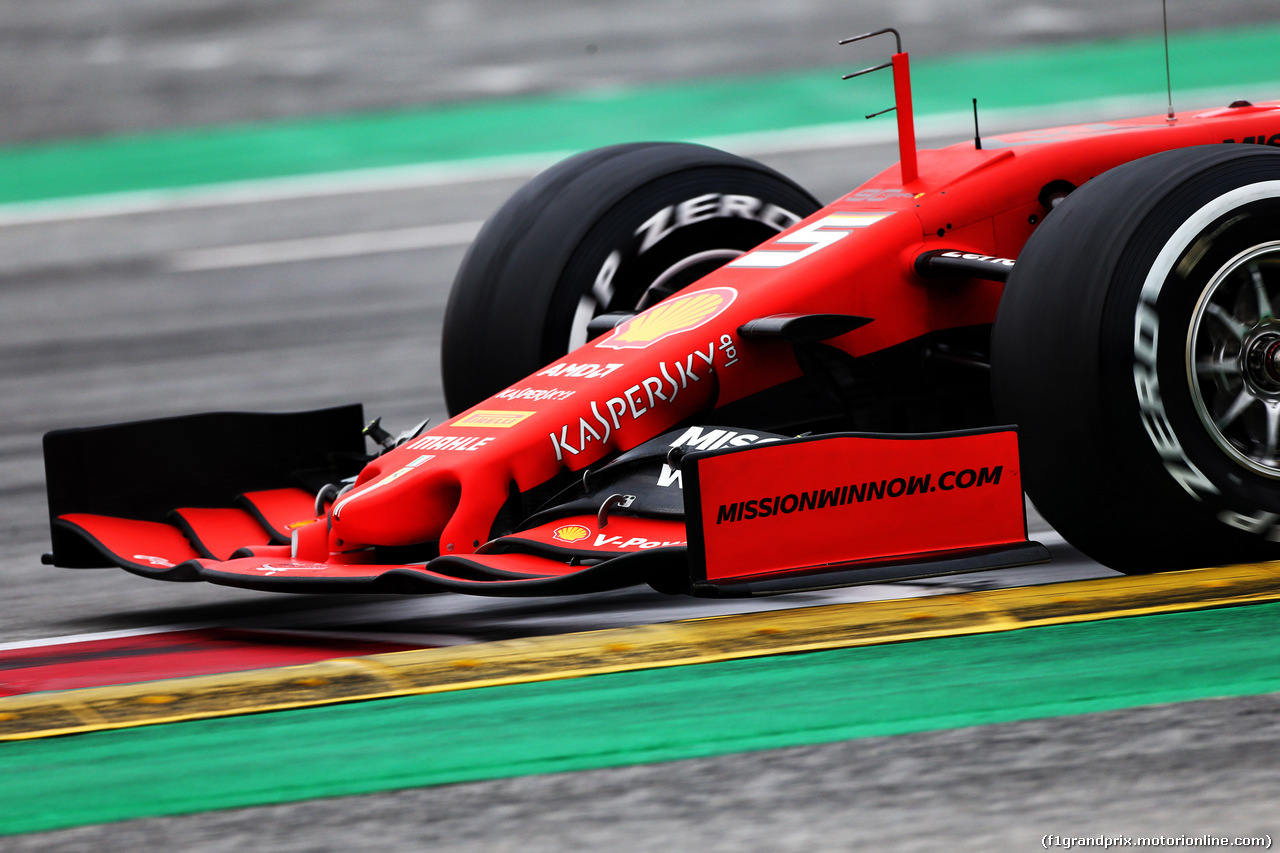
(570, 533)
(676, 315)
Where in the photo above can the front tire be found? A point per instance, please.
(1138, 349)
(615, 229)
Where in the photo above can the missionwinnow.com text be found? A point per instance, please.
(839, 496)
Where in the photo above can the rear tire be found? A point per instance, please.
(615, 229)
(1138, 350)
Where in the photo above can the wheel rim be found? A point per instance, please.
(1233, 359)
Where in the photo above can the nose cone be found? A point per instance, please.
(405, 507)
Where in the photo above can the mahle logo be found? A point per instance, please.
(679, 314)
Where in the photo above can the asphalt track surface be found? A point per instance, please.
(118, 318)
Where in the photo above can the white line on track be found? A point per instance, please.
(96, 637)
(424, 640)
(318, 248)
(264, 190)
(938, 126)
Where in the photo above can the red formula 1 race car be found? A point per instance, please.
(638, 336)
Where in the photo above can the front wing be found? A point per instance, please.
(779, 515)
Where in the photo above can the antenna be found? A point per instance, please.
(1168, 76)
(902, 101)
(977, 137)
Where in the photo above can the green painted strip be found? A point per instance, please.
(1017, 79)
(646, 716)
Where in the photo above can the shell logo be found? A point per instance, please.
(570, 533)
(676, 315)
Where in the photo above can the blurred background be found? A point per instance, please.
(94, 67)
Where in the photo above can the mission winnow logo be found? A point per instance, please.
(851, 493)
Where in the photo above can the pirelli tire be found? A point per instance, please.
(609, 230)
(1137, 346)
